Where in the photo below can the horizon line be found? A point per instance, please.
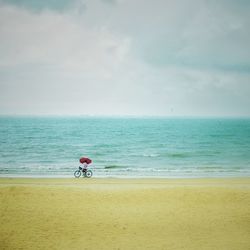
(122, 116)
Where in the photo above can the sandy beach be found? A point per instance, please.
(125, 213)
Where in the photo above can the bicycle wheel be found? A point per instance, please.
(88, 173)
(77, 173)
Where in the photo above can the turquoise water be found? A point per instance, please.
(125, 147)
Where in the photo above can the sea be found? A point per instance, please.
(125, 147)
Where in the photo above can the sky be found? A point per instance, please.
(125, 57)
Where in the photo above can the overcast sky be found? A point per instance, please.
(125, 57)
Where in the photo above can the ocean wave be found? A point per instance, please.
(114, 166)
(151, 155)
(178, 155)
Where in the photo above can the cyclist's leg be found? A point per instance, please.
(85, 165)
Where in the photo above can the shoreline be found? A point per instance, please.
(114, 213)
(121, 176)
(111, 179)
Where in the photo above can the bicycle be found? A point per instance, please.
(85, 173)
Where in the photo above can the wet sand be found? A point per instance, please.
(125, 213)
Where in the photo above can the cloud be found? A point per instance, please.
(38, 6)
(110, 1)
(129, 58)
(56, 40)
(202, 34)
(51, 52)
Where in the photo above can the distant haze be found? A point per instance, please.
(125, 57)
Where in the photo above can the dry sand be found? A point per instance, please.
(125, 214)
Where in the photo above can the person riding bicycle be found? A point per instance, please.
(85, 161)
